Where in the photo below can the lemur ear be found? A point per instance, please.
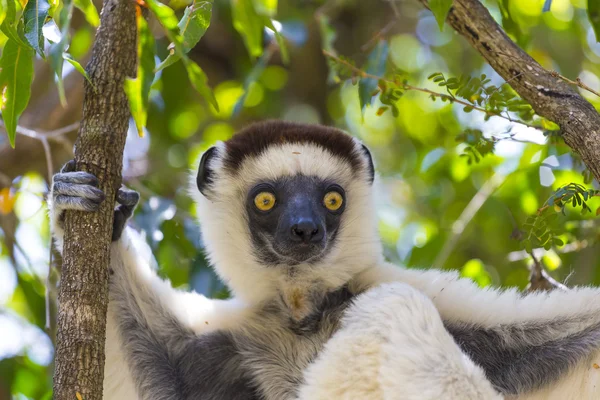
(205, 174)
(370, 164)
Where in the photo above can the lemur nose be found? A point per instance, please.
(306, 230)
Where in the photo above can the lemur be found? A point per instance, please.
(288, 221)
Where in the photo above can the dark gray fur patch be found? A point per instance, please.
(520, 369)
(170, 362)
(78, 190)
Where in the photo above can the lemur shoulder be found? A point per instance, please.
(288, 221)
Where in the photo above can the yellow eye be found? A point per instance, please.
(264, 201)
(333, 201)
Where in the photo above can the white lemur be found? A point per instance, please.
(288, 221)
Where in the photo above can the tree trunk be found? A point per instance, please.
(83, 292)
(550, 96)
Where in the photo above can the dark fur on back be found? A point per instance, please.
(256, 138)
(514, 370)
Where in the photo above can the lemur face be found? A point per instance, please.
(280, 194)
(294, 219)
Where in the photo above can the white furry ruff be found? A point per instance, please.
(393, 345)
(227, 238)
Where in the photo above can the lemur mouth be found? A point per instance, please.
(298, 254)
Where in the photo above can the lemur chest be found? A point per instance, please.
(276, 349)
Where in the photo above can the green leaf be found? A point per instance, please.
(89, 10)
(192, 26)
(16, 76)
(77, 66)
(164, 14)
(328, 36)
(593, 11)
(34, 16)
(57, 50)
(440, 10)
(285, 56)
(3, 7)
(249, 25)
(375, 66)
(200, 82)
(12, 26)
(138, 89)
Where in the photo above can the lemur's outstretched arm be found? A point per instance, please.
(404, 351)
(542, 345)
(151, 326)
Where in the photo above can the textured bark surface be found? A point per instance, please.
(550, 97)
(83, 292)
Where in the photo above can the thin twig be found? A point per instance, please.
(406, 86)
(379, 35)
(540, 280)
(577, 82)
(50, 167)
(466, 216)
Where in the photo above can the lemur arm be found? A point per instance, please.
(527, 344)
(393, 344)
(151, 326)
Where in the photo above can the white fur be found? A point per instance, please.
(227, 239)
(393, 345)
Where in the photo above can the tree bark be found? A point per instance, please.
(550, 96)
(83, 292)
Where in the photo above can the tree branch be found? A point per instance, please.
(550, 97)
(83, 292)
(444, 96)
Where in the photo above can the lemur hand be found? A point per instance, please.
(77, 190)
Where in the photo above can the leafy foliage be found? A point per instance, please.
(138, 89)
(440, 9)
(478, 146)
(540, 230)
(16, 75)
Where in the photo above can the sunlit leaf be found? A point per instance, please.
(440, 9)
(285, 57)
(375, 66)
(200, 82)
(76, 65)
(34, 16)
(3, 7)
(138, 89)
(249, 25)
(12, 26)
(192, 27)
(164, 14)
(16, 76)
(57, 50)
(89, 10)
(593, 11)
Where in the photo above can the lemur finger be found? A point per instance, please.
(127, 197)
(85, 191)
(65, 202)
(122, 214)
(70, 166)
(78, 177)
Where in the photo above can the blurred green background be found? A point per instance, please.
(435, 205)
